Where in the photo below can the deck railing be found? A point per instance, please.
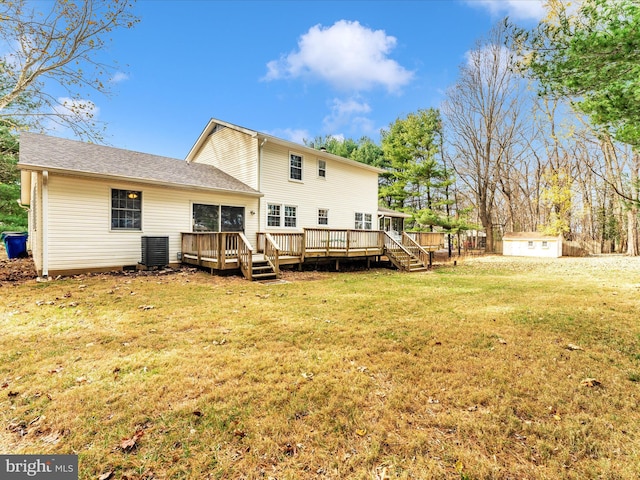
(245, 256)
(342, 239)
(416, 249)
(427, 240)
(272, 253)
(213, 247)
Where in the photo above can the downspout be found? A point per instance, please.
(45, 223)
(260, 199)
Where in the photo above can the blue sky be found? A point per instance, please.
(293, 69)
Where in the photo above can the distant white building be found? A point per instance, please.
(531, 244)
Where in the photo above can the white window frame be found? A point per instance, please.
(545, 244)
(287, 218)
(126, 208)
(323, 216)
(363, 221)
(530, 244)
(322, 168)
(272, 216)
(291, 166)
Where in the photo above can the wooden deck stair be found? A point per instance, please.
(261, 269)
(404, 260)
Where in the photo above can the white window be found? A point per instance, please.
(289, 216)
(530, 244)
(273, 215)
(323, 216)
(295, 167)
(126, 209)
(545, 244)
(322, 168)
(363, 221)
(359, 224)
(279, 215)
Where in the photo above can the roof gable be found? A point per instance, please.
(214, 123)
(42, 152)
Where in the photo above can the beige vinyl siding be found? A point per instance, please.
(233, 152)
(79, 221)
(345, 190)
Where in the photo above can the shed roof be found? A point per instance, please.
(43, 152)
(528, 236)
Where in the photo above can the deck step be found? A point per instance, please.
(264, 276)
(262, 270)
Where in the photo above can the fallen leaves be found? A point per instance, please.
(128, 445)
(590, 382)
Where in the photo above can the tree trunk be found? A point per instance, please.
(632, 232)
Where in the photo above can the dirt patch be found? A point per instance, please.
(16, 270)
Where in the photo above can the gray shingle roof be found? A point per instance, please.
(42, 152)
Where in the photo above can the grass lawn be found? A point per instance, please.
(496, 368)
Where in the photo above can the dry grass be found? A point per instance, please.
(463, 372)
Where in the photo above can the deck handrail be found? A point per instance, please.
(201, 245)
(427, 240)
(245, 256)
(417, 250)
(272, 253)
(346, 239)
(393, 246)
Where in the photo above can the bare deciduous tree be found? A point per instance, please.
(60, 46)
(484, 116)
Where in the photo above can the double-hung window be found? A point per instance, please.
(363, 221)
(323, 216)
(126, 209)
(322, 168)
(295, 167)
(290, 216)
(282, 215)
(273, 215)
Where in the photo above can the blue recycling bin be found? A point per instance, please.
(15, 243)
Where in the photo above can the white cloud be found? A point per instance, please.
(517, 9)
(346, 55)
(350, 113)
(119, 77)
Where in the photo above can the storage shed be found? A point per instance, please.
(531, 244)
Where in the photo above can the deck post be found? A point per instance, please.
(199, 249)
(328, 241)
(221, 253)
(337, 265)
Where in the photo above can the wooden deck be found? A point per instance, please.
(232, 250)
